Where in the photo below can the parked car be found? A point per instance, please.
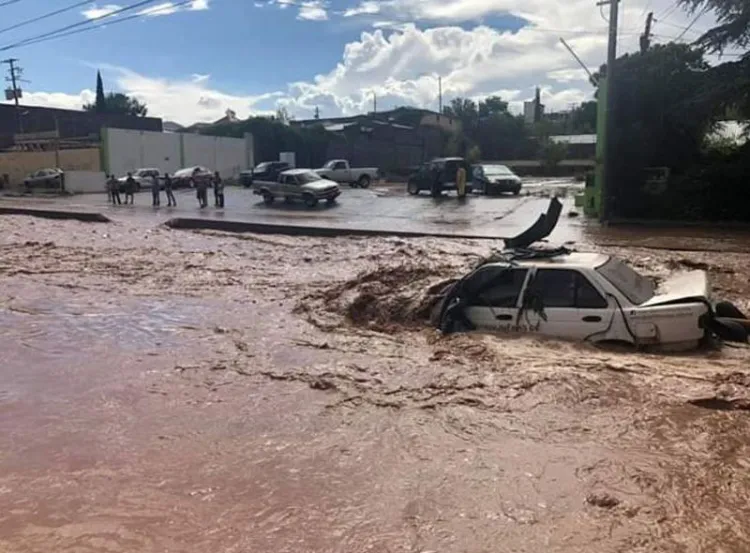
(268, 170)
(302, 184)
(45, 178)
(143, 178)
(338, 170)
(493, 179)
(439, 175)
(582, 296)
(189, 176)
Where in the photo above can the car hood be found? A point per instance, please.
(692, 285)
(319, 186)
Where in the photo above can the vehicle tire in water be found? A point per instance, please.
(310, 200)
(267, 198)
(330, 201)
(412, 187)
(364, 181)
(728, 310)
(516, 191)
(728, 330)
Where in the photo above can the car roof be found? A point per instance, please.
(573, 260)
(448, 159)
(297, 171)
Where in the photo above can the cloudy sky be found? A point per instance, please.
(191, 60)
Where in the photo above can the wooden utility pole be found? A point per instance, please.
(440, 94)
(14, 92)
(646, 36)
(374, 102)
(606, 195)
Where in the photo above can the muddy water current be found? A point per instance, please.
(193, 391)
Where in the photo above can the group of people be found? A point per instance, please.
(201, 186)
(201, 189)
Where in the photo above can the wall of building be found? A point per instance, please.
(17, 165)
(127, 150)
(85, 182)
(69, 123)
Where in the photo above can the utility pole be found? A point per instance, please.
(606, 196)
(14, 93)
(374, 102)
(646, 36)
(440, 94)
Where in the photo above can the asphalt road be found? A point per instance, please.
(384, 208)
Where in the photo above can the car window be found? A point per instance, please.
(566, 288)
(495, 287)
(340, 165)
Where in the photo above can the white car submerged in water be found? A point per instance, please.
(584, 296)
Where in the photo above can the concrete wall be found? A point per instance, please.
(85, 182)
(127, 150)
(17, 165)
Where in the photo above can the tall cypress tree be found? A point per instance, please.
(101, 103)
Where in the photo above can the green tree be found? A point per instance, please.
(733, 17)
(101, 103)
(116, 102)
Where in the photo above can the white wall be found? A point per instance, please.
(127, 150)
(85, 182)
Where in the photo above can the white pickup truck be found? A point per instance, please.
(338, 170)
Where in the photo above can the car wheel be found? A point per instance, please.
(310, 200)
(516, 191)
(267, 198)
(330, 201)
(412, 187)
(287, 199)
(364, 181)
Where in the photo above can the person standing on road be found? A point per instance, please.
(129, 189)
(218, 190)
(113, 187)
(155, 193)
(201, 185)
(171, 201)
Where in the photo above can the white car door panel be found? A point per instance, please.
(494, 294)
(573, 307)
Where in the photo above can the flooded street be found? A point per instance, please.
(165, 390)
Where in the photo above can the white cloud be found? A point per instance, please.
(314, 10)
(163, 8)
(95, 12)
(184, 101)
(369, 7)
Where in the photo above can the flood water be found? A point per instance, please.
(196, 391)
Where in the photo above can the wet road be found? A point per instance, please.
(197, 391)
(385, 208)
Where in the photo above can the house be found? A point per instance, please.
(391, 140)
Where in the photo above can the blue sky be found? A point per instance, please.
(191, 63)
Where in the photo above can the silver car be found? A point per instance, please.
(45, 178)
(298, 184)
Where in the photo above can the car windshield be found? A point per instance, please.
(496, 170)
(263, 166)
(634, 286)
(308, 177)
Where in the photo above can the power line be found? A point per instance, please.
(75, 25)
(108, 24)
(697, 17)
(45, 16)
(8, 3)
(669, 11)
(676, 26)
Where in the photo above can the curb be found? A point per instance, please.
(86, 217)
(181, 223)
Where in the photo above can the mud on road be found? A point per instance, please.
(171, 390)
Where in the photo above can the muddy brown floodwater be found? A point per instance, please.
(193, 391)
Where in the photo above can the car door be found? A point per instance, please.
(290, 186)
(493, 295)
(573, 307)
(340, 172)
